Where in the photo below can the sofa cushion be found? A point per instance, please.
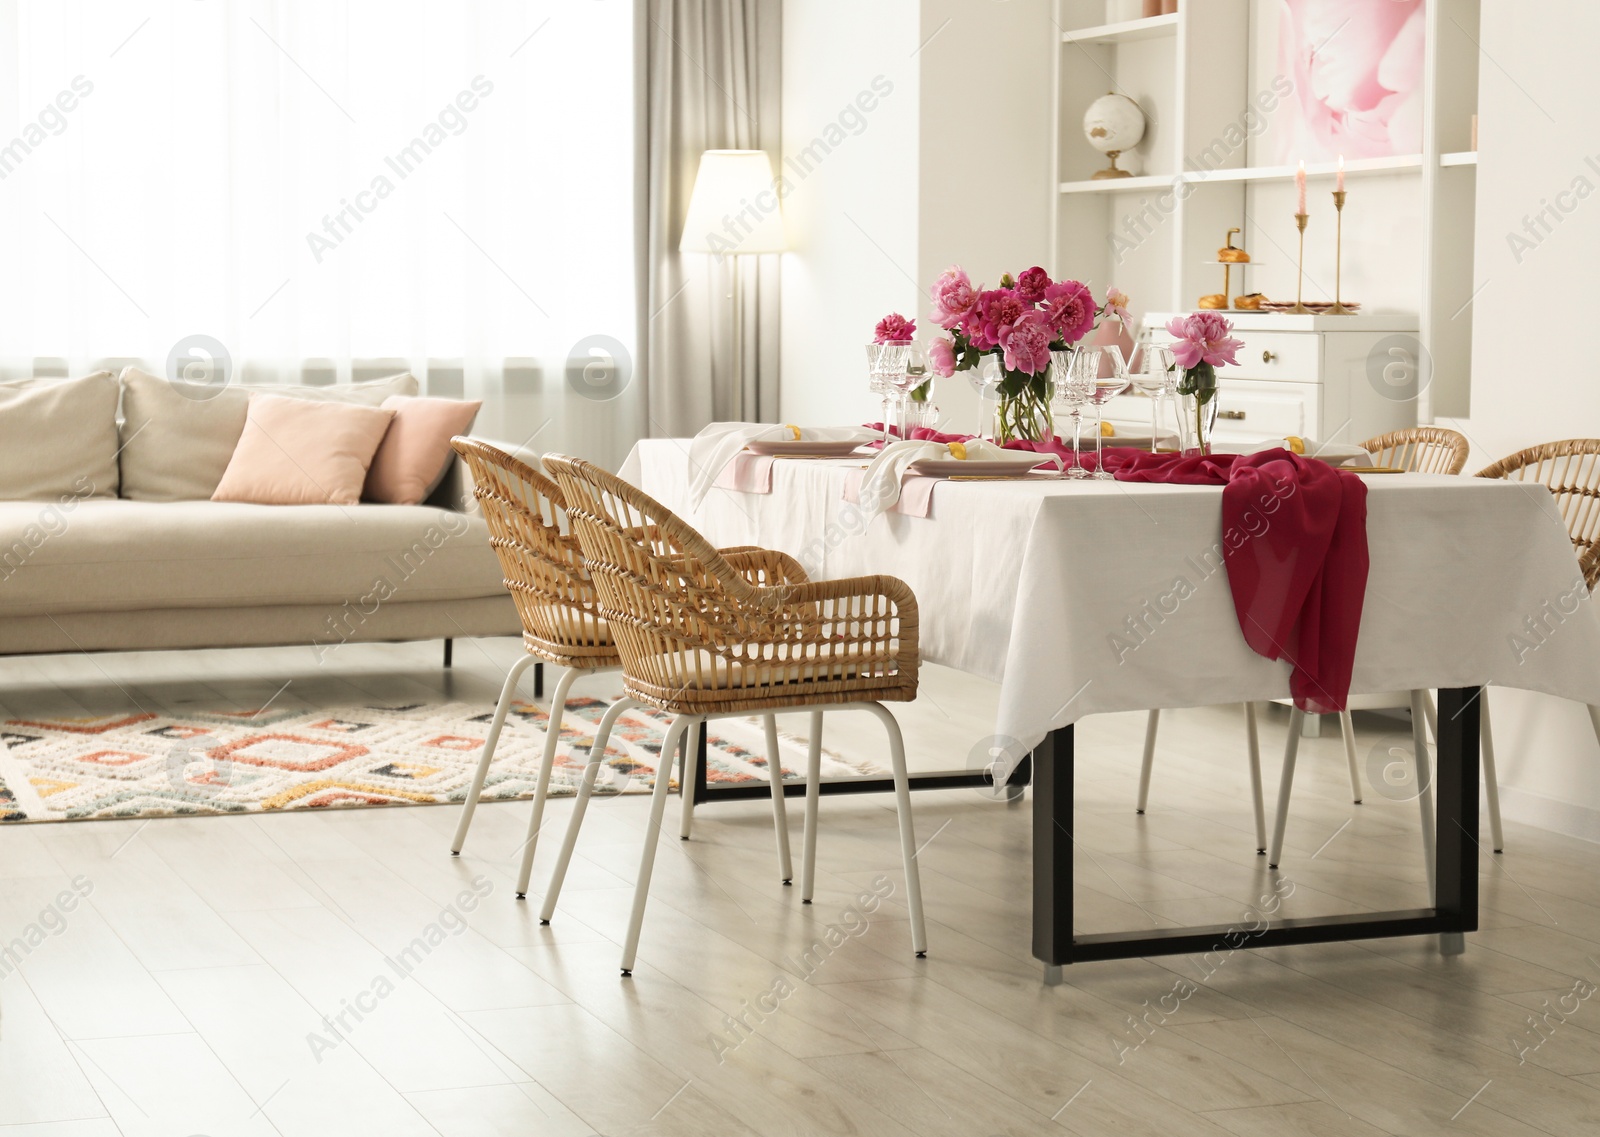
(58, 438)
(175, 446)
(413, 457)
(101, 556)
(298, 452)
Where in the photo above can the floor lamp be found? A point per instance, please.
(734, 211)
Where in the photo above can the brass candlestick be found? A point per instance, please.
(1338, 308)
(1299, 308)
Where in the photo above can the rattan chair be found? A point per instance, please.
(1417, 450)
(700, 640)
(555, 601)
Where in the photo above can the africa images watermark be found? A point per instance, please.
(1139, 628)
(51, 522)
(451, 921)
(1251, 122)
(1543, 1025)
(51, 921)
(51, 120)
(1541, 226)
(1537, 629)
(451, 120)
(848, 123)
(853, 923)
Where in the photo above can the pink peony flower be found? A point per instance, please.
(1027, 343)
(1117, 305)
(1203, 337)
(894, 328)
(1031, 285)
(997, 309)
(1069, 306)
(942, 356)
(953, 297)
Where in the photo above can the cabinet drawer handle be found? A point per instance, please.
(1237, 415)
(1268, 356)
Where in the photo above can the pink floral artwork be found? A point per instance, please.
(1356, 66)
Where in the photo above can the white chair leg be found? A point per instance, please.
(1252, 735)
(908, 836)
(1432, 713)
(1419, 743)
(541, 789)
(652, 837)
(597, 756)
(808, 857)
(686, 780)
(1149, 759)
(1491, 780)
(1291, 751)
(470, 806)
(1347, 728)
(1594, 720)
(780, 816)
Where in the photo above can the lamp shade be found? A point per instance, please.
(734, 207)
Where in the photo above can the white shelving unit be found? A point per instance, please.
(1155, 234)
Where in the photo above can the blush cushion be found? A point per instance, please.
(295, 452)
(415, 453)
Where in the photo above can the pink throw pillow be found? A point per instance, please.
(412, 458)
(298, 452)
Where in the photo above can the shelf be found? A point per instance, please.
(1400, 164)
(1128, 31)
(1459, 158)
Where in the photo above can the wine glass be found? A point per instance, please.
(1153, 372)
(909, 372)
(884, 362)
(985, 380)
(1105, 389)
(1072, 374)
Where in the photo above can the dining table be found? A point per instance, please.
(1081, 597)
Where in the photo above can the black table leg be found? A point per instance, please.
(1454, 913)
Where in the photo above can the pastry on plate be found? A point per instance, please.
(1229, 255)
(1250, 302)
(1214, 300)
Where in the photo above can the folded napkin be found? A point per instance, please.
(880, 485)
(1294, 540)
(715, 446)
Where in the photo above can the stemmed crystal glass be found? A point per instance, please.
(1072, 375)
(887, 364)
(1105, 389)
(1153, 371)
(912, 373)
(985, 380)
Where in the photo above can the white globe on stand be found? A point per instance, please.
(1113, 122)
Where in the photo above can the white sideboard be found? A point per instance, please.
(1329, 378)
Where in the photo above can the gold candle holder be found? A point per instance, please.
(1338, 308)
(1299, 308)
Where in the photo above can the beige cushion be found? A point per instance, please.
(58, 438)
(299, 452)
(175, 448)
(100, 556)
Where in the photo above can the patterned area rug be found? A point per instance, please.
(155, 765)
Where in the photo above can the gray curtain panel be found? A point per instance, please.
(711, 71)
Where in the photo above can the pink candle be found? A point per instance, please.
(1339, 181)
(1300, 186)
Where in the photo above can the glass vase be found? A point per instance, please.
(1022, 403)
(1197, 420)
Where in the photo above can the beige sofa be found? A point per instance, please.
(109, 542)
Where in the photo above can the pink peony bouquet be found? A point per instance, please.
(1202, 342)
(1019, 324)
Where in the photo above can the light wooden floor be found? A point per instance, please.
(181, 997)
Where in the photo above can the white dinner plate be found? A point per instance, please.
(788, 448)
(979, 468)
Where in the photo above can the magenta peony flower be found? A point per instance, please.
(1031, 285)
(997, 309)
(1069, 306)
(953, 297)
(894, 328)
(1203, 337)
(1027, 343)
(942, 356)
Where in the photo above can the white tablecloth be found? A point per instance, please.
(1085, 597)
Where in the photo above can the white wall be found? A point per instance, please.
(1536, 370)
(851, 216)
(952, 167)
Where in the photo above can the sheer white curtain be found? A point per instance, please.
(330, 189)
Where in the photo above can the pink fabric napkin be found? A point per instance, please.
(916, 494)
(747, 473)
